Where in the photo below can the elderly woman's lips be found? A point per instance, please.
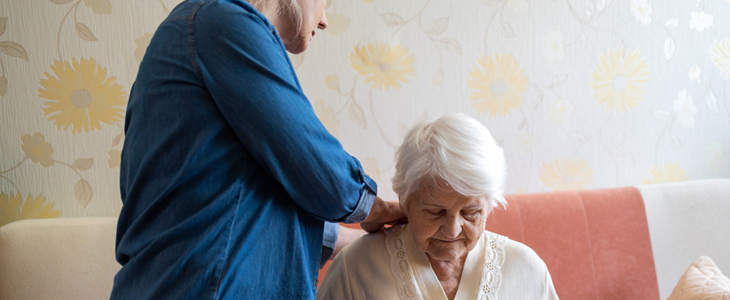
(448, 242)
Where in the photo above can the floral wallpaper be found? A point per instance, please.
(580, 93)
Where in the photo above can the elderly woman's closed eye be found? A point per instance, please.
(449, 177)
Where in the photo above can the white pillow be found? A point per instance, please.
(702, 281)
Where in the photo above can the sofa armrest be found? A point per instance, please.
(687, 220)
(69, 258)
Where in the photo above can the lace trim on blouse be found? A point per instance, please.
(406, 283)
(492, 272)
(400, 264)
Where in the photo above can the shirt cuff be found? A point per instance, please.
(329, 238)
(367, 197)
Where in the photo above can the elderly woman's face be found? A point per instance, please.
(313, 17)
(445, 224)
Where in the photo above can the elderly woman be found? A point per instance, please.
(449, 177)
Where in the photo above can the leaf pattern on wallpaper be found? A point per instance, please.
(84, 32)
(83, 192)
(507, 29)
(712, 102)
(83, 164)
(675, 142)
(12, 49)
(38, 151)
(669, 49)
(661, 115)
(438, 26)
(671, 23)
(117, 139)
(100, 7)
(357, 115)
(450, 45)
(391, 20)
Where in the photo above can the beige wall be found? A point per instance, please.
(581, 94)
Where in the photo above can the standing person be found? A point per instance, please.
(227, 175)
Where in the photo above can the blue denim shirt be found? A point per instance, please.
(227, 175)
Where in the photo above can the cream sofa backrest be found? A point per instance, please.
(687, 220)
(59, 259)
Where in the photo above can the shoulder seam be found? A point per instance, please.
(191, 34)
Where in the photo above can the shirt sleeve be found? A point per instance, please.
(329, 239)
(245, 67)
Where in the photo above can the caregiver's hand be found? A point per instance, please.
(382, 213)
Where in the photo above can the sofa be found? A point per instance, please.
(618, 243)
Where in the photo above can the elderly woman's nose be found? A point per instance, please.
(322, 23)
(451, 227)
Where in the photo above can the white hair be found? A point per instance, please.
(287, 8)
(455, 149)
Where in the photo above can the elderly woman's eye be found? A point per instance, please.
(435, 212)
(471, 214)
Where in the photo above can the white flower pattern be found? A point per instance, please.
(685, 108)
(641, 9)
(700, 21)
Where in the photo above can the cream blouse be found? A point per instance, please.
(388, 265)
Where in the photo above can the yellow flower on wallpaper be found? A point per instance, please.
(37, 149)
(383, 65)
(11, 209)
(667, 173)
(499, 85)
(326, 116)
(721, 57)
(566, 174)
(81, 96)
(99, 6)
(619, 78)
